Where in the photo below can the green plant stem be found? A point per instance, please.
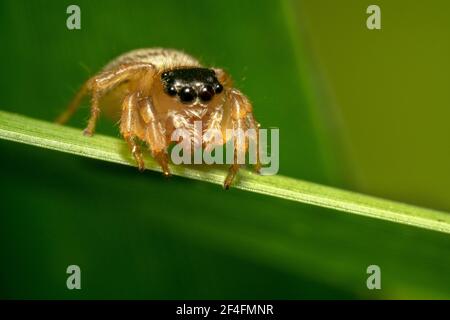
(43, 134)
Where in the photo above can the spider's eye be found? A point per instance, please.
(166, 74)
(171, 91)
(218, 88)
(187, 94)
(206, 93)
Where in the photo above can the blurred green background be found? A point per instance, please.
(357, 109)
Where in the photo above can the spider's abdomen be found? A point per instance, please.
(159, 57)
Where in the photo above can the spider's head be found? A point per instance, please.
(191, 85)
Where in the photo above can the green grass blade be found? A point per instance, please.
(52, 136)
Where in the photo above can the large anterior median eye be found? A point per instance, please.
(206, 93)
(187, 94)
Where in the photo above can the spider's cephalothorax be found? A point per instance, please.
(160, 90)
(191, 84)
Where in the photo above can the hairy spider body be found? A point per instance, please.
(160, 90)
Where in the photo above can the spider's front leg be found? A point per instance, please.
(240, 120)
(139, 120)
(253, 124)
(153, 130)
(154, 134)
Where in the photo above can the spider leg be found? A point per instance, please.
(130, 127)
(240, 120)
(153, 129)
(213, 126)
(253, 124)
(231, 175)
(154, 134)
(73, 105)
(107, 80)
(98, 86)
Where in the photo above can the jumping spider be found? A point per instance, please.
(160, 90)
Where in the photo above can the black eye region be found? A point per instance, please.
(171, 91)
(206, 93)
(218, 88)
(187, 94)
(167, 76)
